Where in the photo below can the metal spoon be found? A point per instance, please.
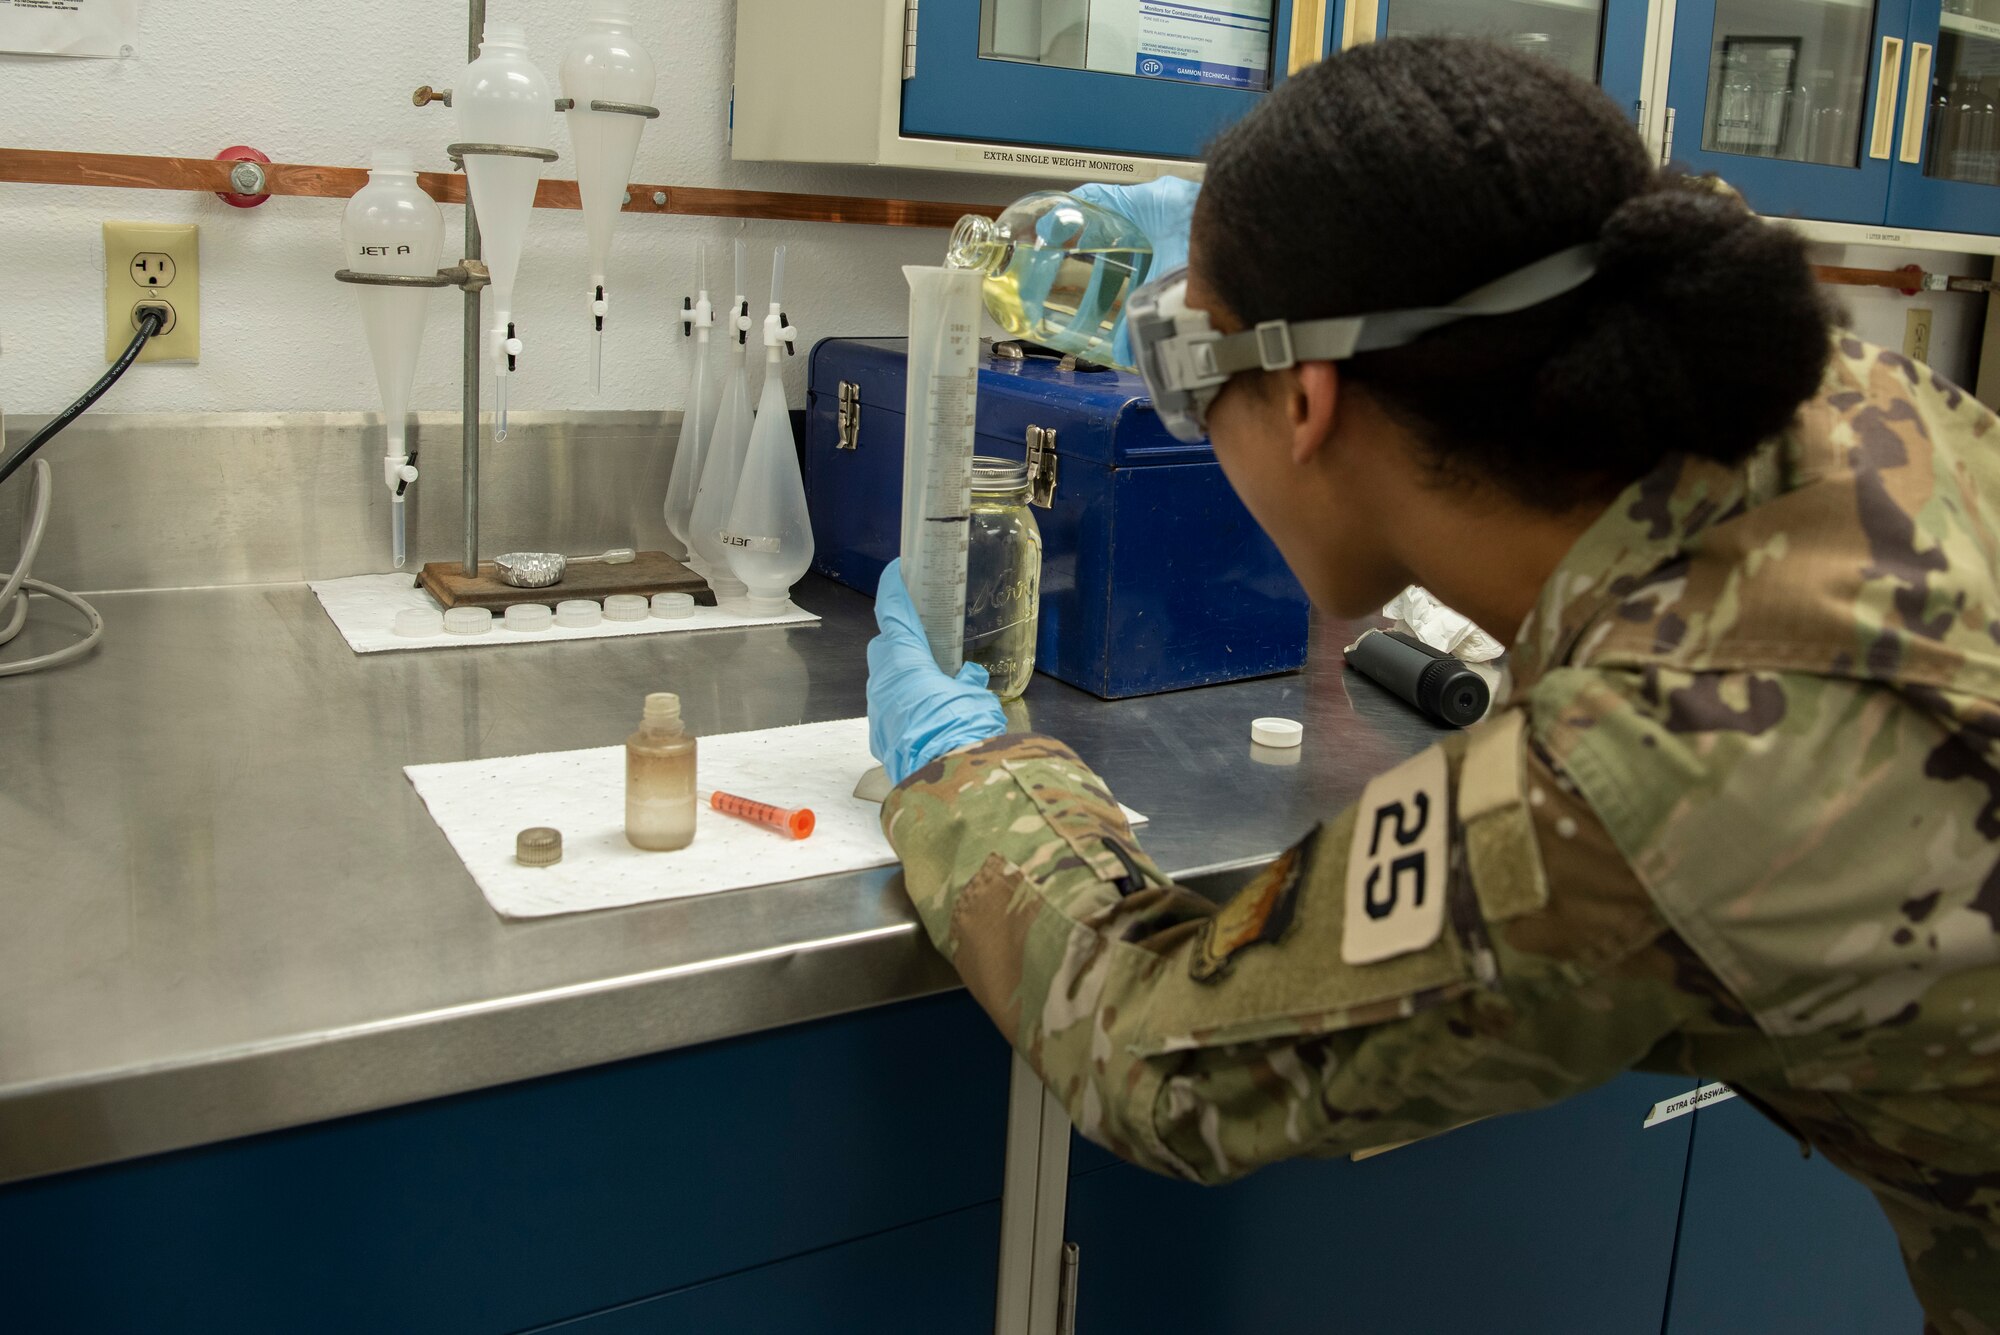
(538, 570)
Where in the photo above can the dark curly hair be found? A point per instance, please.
(1411, 171)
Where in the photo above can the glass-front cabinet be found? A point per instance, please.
(1600, 40)
(1859, 111)
(1152, 77)
(1947, 174)
(1119, 90)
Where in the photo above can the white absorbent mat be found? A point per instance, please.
(482, 804)
(364, 607)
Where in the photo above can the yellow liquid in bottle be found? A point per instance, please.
(1067, 299)
(1057, 271)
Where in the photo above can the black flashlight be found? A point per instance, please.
(1438, 685)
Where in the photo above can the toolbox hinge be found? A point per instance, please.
(1072, 1260)
(909, 39)
(1667, 143)
(1042, 466)
(850, 416)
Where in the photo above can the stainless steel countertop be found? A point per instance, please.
(224, 910)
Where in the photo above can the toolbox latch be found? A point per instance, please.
(1042, 467)
(850, 416)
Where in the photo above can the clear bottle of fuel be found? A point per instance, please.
(659, 778)
(1056, 270)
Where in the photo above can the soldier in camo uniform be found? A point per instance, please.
(1737, 816)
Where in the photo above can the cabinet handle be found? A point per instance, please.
(1308, 44)
(1916, 102)
(1885, 99)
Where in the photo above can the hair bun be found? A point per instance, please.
(1701, 334)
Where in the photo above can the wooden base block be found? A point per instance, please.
(649, 573)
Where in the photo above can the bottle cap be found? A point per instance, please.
(419, 621)
(662, 707)
(538, 846)
(673, 606)
(467, 620)
(625, 607)
(1276, 732)
(578, 612)
(529, 617)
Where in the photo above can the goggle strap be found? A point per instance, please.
(1277, 344)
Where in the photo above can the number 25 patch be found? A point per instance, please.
(1397, 864)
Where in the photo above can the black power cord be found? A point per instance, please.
(150, 321)
(17, 584)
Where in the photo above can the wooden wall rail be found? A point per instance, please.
(1910, 280)
(135, 172)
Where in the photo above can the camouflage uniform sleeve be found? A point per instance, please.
(1203, 1041)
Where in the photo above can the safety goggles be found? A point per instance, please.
(1186, 363)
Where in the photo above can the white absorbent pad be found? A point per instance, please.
(482, 804)
(364, 607)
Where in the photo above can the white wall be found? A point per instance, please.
(324, 83)
(1880, 314)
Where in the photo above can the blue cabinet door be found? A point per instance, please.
(1787, 101)
(1771, 1241)
(1600, 40)
(1560, 1220)
(1162, 106)
(1947, 169)
(931, 1278)
(530, 1203)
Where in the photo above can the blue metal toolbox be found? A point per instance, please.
(1154, 576)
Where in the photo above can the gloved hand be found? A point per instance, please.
(915, 712)
(1164, 210)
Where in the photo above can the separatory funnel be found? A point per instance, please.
(608, 80)
(769, 535)
(392, 227)
(506, 119)
(722, 463)
(697, 418)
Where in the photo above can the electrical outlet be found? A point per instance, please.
(153, 265)
(1917, 334)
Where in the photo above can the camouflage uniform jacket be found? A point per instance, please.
(1737, 819)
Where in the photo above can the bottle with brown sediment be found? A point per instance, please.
(659, 778)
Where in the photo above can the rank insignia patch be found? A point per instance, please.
(1258, 914)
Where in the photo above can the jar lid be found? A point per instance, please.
(990, 473)
(539, 846)
(1276, 731)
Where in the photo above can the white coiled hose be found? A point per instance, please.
(14, 593)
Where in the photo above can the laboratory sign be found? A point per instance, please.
(1222, 42)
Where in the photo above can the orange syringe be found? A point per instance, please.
(794, 821)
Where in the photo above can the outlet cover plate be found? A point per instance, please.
(1917, 334)
(148, 262)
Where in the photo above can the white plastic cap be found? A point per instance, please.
(529, 617)
(673, 606)
(625, 607)
(1276, 732)
(392, 160)
(577, 612)
(467, 620)
(419, 621)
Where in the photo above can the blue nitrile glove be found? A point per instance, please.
(915, 712)
(1164, 211)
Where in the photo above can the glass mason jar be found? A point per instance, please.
(1003, 576)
